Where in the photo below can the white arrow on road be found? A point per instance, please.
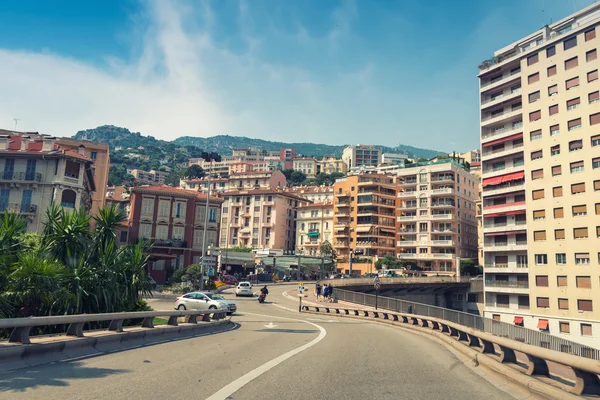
(270, 326)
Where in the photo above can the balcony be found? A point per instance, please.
(439, 191)
(506, 187)
(506, 267)
(342, 214)
(408, 182)
(519, 246)
(71, 177)
(408, 206)
(20, 176)
(502, 171)
(442, 243)
(20, 208)
(512, 129)
(407, 243)
(505, 227)
(430, 256)
(407, 194)
(506, 151)
(505, 97)
(407, 218)
(442, 216)
(507, 286)
(340, 244)
(505, 79)
(507, 114)
(443, 204)
(443, 178)
(498, 208)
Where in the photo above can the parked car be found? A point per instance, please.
(336, 276)
(229, 279)
(244, 289)
(370, 275)
(204, 301)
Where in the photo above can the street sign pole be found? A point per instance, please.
(377, 285)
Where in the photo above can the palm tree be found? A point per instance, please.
(67, 234)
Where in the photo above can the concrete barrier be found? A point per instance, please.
(22, 350)
(481, 346)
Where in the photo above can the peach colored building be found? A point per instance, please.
(437, 215)
(316, 194)
(314, 226)
(329, 165)
(540, 134)
(365, 215)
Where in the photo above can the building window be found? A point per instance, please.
(583, 282)
(555, 150)
(580, 233)
(576, 123)
(595, 140)
(554, 130)
(533, 78)
(551, 71)
(94, 155)
(591, 34)
(582, 258)
(571, 63)
(553, 109)
(538, 194)
(580, 210)
(535, 96)
(558, 213)
(550, 51)
(594, 119)
(543, 302)
(575, 145)
(573, 104)
(539, 215)
(563, 304)
(570, 43)
(564, 327)
(541, 259)
(559, 234)
(68, 198)
(535, 135)
(592, 76)
(585, 305)
(576, 166)
(578, 188)
(535, 115)
(539, 236)
(557, 191)
(591, 55)
(586, 329)
(536, 155)
(532, 59)
(561, 258)
(594, 97)
(541, 280)
(572, 83)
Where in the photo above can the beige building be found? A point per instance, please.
(393, 159)
(38, 172)
(361, 155)
(306, 165)
(314, 226)
(365, 216)
(329, 165)
(437, 215)
(540, 133)
(149, 177)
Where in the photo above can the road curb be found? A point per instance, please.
(535, 388)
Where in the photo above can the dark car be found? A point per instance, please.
(370, 275)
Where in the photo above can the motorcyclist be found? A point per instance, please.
(264, 291)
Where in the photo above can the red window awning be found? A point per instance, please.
(496, 180)
(506, 139)
(543, 324)
(493, 215)
(518, 320)
(505, 233)
(517, 212)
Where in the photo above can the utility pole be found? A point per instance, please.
(350, 262)
(204, 258)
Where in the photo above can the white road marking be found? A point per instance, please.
(255, 373)
(271, 326)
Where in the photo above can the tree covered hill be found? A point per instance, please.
(224, 144)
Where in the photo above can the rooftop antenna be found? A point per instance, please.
(16, 122)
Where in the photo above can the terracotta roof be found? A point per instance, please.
(164, 189)
(35, 146)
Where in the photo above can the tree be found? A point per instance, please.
(193, 273)
(326, 249)
(470, 268)
(297, 178)
(194, 171)
(390, 262)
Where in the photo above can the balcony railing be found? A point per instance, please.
(20, 176)
(176, 243)
(19, 208)
(507, 284)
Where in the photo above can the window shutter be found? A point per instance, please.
(537, 174)
(552, 90)
(576, 145)
(578, 188)
(557, 191)
(553, 109)
(591, 55)
(574, 122)
(534, 116)
(552, 70)
(543, 302)
(539, 235)
(597, 208)
(541, 280)
(594, 96)
(539, 214)
(585, 305)
(561, 281)
(591, 34)
(558, 213)
(582, 209)
(586, 330)
(584, 282)
(573, 102)
(533, 78)
(571, 63)
(580, 233)
(556, 170)
(536, 154)
(559, 234)
(592, 75)
(532, 59)
(534, 96)
(595, 119)
(571, 83)
(570, 43)
(563, 304)
(538, 194)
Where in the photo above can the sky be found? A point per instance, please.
(384, 72)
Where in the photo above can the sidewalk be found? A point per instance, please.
(311, 300)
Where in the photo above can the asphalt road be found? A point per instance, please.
(271, 353)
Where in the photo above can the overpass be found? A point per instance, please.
(270, 351)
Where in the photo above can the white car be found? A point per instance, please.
(244, 289)
(204, 301)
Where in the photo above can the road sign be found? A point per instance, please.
(209, 262)
(211, 272)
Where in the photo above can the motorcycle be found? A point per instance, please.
(261, 298)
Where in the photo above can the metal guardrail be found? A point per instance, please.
(21, 327)
(585, 370)
(399, 279)
(488, 325)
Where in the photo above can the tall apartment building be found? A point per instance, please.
(365, 215)
(100, 156)
(437, 215)
(393, 159)
(361, 155)
(258, 213)
(540, 135)
(173, 220)
(217, 185)
(219, 168)
(306, 165)
(314, 226)
(329, 165)
(148, 177)
(37, 172)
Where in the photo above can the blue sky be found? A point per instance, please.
(386, 72)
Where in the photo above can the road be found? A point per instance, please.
(273, 352)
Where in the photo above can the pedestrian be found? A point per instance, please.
(330, 292)
(318, 291)
(325, 293)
